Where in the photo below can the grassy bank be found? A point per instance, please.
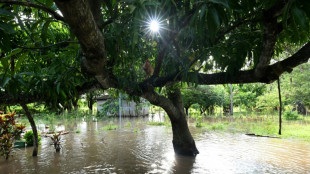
(259, 125)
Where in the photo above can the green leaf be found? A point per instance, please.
(5, 81)
(299, 16)
(5, 63)
(63, 94)
(286, 10)
(132, 8)
(221, 2)
(306, 7)
(44, 34)
(20, 60)
(202, 11)
(49, 3)
(4, 12)
(58, 87)
(14, 52)
(6, 28)
(215, 16)
(213, 22)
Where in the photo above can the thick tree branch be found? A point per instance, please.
(271, 31)
(270, 73)
(95, 6)
(78, 14)
(41, 7)
(159, 60)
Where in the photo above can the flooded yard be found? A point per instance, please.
(135, 147)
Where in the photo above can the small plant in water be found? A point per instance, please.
(110, 126)
(135, 130)
(56, 141)
(78, 131)
(128, 124)
(29, 138)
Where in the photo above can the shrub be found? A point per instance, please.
(29, 138)
(291, 115)
(10, 130)
(198, 121)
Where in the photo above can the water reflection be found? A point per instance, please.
(141, 148)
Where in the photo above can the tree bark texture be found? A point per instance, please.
(34, 129)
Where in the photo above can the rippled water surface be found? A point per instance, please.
(142, 148)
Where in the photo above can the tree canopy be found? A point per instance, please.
(204, 42)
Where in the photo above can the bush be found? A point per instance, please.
(10, 130)
(29, 138)
(198, 121)
(291, 115)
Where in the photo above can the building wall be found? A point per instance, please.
(128, 108)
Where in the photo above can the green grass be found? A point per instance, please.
(110, 126)
(261, 125)
(155, 123)
(136, 130)
(128, 124)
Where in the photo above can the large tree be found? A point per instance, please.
(203, 42)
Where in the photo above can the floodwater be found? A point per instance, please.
(141, 148)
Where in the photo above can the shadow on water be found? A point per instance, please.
(136, 147)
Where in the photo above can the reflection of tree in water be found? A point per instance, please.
(183, 164)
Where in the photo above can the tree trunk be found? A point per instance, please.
(280, 108)
(183, 142)
(34, 129)
(231, 100)
(90, 101)
(69, 106)
(186, 110)
(75, 104)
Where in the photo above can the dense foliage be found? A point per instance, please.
(29, 138)
(207, 97)
(10, 130)
(41, 56)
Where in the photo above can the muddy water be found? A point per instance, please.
(141, 148)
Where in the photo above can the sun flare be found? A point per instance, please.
(154, 26)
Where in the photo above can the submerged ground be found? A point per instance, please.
(134, 146)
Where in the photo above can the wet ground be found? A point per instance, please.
(136, 147)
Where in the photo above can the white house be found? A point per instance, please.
(128, 108)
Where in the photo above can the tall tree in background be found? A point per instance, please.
(203, 42)
(296, 88)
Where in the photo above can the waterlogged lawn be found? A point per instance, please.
(297, 129)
